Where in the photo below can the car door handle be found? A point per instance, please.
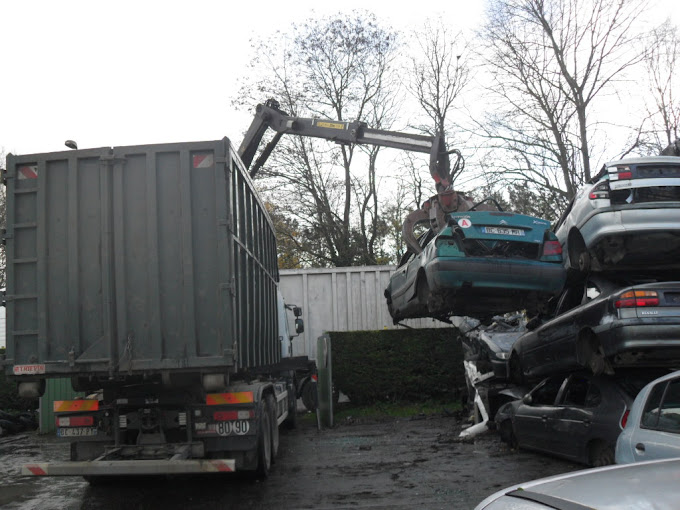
(586, 423)
(640, 447)
(544, 417)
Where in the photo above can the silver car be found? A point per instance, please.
(644, 485)
(653, 427)
(628, 216)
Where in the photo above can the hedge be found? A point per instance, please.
(398, 365)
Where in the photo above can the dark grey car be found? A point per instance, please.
(578, 416)
(603, 324)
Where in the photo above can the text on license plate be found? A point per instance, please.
(77, 432)
(504, 231)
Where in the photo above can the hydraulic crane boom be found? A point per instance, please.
(269, 115)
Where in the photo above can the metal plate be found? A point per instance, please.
(503, 231)
(77, 432)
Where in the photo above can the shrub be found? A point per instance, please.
(398, 365)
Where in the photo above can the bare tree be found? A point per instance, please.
(549, 60)
(336, 68)
(663, 56)
(440, 73)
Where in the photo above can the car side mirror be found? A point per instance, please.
(299, 326)
(297, 311)
(527, 399)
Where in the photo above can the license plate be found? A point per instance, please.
(227, 428)
(504, 231)
(77, 432)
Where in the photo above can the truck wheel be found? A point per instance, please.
(264, 441)
(291, 420)
(308, 395)
(273, 418)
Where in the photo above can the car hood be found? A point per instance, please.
(642, 485)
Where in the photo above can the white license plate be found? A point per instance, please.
(227, 428)
(504, 231)
(77, 432)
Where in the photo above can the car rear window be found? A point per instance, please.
(645, 195)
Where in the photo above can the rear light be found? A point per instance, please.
(624, 418)
(634, 298)
(622, 172)
(552, 248)
(75, 421)
(600, 191)
(233, 415)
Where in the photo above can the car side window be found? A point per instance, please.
(650, 415)
(571, 298)
(546, 394)
(592, 291)
(593, 397)
(669, 413)
(576, 391)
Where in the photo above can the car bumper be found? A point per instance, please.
(444, 274)
(643, 342)
(635, 218)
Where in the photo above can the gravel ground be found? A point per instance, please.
(418, 463)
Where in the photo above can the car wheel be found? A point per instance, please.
(584, 262)
(516, 371)
(508, 434)
(579, 258)
(601, 454)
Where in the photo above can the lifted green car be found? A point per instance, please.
(482, 263)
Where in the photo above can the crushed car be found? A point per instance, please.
(602, 324)
(576, 416)
(481, 263)
(626, 217)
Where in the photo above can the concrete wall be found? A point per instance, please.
(340, 299)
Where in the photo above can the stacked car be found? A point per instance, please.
(615, 324)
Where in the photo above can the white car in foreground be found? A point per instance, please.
(653, 427)
(645, 485)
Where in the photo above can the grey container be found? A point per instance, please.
(135, 260)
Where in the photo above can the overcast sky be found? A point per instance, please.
(137, 72)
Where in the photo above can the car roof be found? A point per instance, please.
(645, 160)
(639, 485)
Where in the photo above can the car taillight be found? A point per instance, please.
(552, 248)
(599, 191)
(622, 172)
(75, 421)
(634, 298)
(624, 418)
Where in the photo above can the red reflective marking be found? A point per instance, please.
(36, 470)
(221, 466)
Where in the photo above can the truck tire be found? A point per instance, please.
(264, 441)
(308, 395)
(273, 419)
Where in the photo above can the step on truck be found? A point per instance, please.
(148, 276)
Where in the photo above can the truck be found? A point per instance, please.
(148, 276)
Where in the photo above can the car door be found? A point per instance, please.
(571, 429)
(544, 347)
(535, 412)
(657, 436)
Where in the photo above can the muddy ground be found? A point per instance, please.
(406, 463)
